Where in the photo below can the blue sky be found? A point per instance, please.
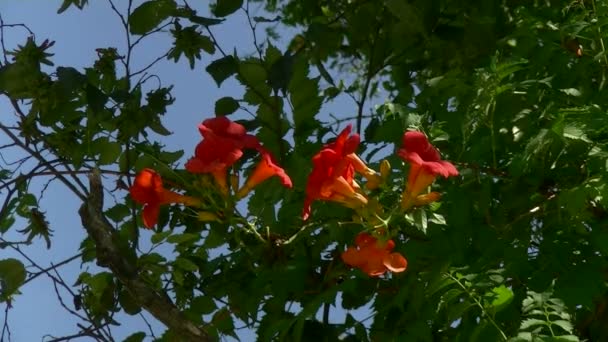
(77, 34)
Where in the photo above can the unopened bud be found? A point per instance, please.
(373, 182)
(206, 216)
(385, 169)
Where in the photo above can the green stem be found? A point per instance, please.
(249, 227)
(478, 303)
(295, 235)
(490, 108)
(599, 33)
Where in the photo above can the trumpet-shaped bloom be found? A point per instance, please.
(265, 169)
(222, 145)
(426, 165)
(148, 190)
(374, 257)
(332, 176)
(425, 199)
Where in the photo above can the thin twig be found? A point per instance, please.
(5, 328)
(52, 267)
(478, 303)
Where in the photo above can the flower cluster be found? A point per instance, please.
(374, 257)
(222, 145)
(333, 178)
(425, 166)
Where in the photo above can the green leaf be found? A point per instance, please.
(502, 297)
(252, 74)
(226, 7)
(226, 105)
(109, 151)
(222, 321)
(420, 219)
(67, 3)
(70, 79)
(572, 92)
(137, 337)
(18, 80)
(575, 133)
(12, 275)
(531, 322)
(186, 264)
(439, 283)
(159, 237)
(158, 127)
(171, 157)
(118, 212)
(128, 303)
(214, 239)
(96, 99)
(566, 325)
(281, 71)
(304, 95)
(189, 42)
(183, 238)
(205, 21)
(203, 305)
(6, 223)
(408, 14)
(149, 15)
(222, 68)
(565, 338)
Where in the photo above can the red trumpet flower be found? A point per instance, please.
(374, 257)
(222, 145)
(426, 165)
(265, 169)
(148, 190)
(332, 176)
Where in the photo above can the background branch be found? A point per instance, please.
(109, 255)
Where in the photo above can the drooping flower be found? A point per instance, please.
(332, 176)
(265, 169)
(222, 145)
(426, 165)
(148, 190)
(374, 257)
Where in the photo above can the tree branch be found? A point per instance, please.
(109, 255)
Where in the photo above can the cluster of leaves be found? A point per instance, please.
(513, 93)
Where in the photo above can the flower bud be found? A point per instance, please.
(385, 169)
(206, 216)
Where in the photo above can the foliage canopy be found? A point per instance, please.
(511, 92)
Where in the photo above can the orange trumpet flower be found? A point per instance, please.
(374, 257)
(265, 169)
(148, 190)
(426, 165)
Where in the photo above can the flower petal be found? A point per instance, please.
(417, 142)
(146, 187)
(352, 257)
(150, 215)
(265, 169)
(395, 262)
